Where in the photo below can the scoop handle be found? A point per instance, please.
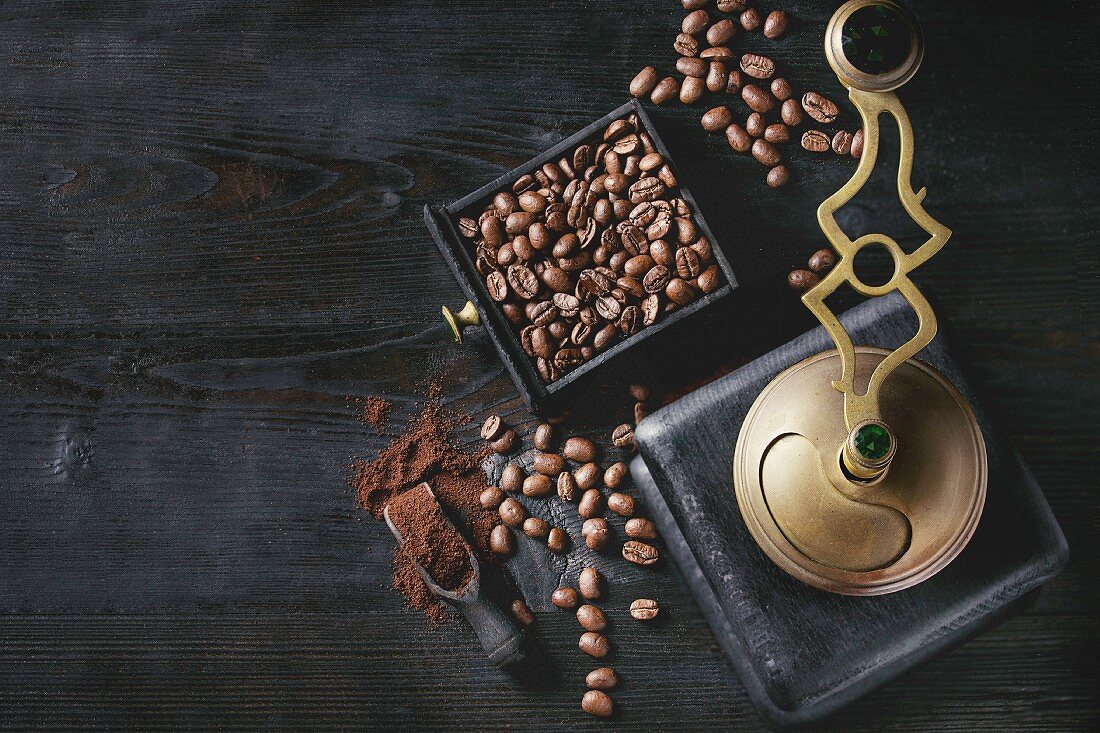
(499, 633)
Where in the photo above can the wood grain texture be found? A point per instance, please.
(211, 239)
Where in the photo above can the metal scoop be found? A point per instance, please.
(500, 635)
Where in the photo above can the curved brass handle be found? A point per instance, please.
(861, 408)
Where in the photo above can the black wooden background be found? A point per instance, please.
(211, 240)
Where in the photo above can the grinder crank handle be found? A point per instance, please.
(500, 635)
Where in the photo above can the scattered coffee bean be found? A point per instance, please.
(594, 644)
(564, 597)
(757, 99)
(601, 678)
(778, 176)
(842, 142)
(692, 90)
(686, 45)
(791, 113)
(732, 6)
(522, 613)
(710, 280)
(738, 138)
(615, 474)
(694, 4)
(640, 529)
(581, 450)
(821, 260)
(639, 553)
(512, 512)
(717, 53)
(511, 478)
(819, 108)
(591, 618)
(781, 89)
(557, 541)
(775, 25)
(567, 486)
(588, 476)
(777, 133)
(750, 19)
(505, 443)
(717, 118)
(755, 124)
(548, 464)
(765, 153)
(544, 435)
(490, 429)
(621, 504)
(491, 498)
(590, 583)
(644, 609)
(591, 504)
(665, 91)
(857, 143)
(734, 82)
(802, 279)
(596, 533)
(720, 32)
(717, 76)
(644, 82)
(695, 21)
(537, 528)
(597, 702)
(501, 541)
(757, 66)
(815, 141)
(623, 436)
(689, 66)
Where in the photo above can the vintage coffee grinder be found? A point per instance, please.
(859, 470)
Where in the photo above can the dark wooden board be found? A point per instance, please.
(211, 238)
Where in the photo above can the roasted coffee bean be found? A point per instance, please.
(692, 89)
(693, 4)
(468, 228)
(587, 476)
(665, 91)
(781, 89)
(644, 609)
(524, 183)
(734, 82)
(732, 6)
(535, 527)
(581, 334)
(820, 108)
(667, 177)
(857, 143)
(777, 133)
(703, 249)
(536, 341)
(557, 279)
(647, 189)
(615, 474)
(717, 118)
(777, 178)
(522, 613)
(710, 280)
(532, 201)
(717, 53)
(544, 314)
(512, 512)
(717, 76)
(695, 21)
(750, 19)
(544, 436)
(601, 678)
(738, 138)
(546, 370)
(662, 253)
(640, 529)
(757, 99)
(518, 222)
(815, 141)
(537, 485)
(621, 504)
(522, 281)
(720, 32)
(630, 320)
(567, 360)
(567, 486)
(627, 145)
(566, 245)
(557, 541)
(687, 263)
(680, 292)
(491, 498)
(630, 286)
(639, 412)
(558, 330)
(491, 428)
(757, 66)
(755, 124)
(591, 504)
(497, 285)
(513, 313)
(617, 129)
(656, 279)
(765, 153)
(651, 309)
(506, 255)
(511, 478)
(564, 597)
(775, 26)
(590, 583)
(821, 260)
(651, 161)
(623, 436)
(582, 157)
(548, 464)
(686, 45)
(596, 533)
(689, 66)
(791, 113)
(591, 618)
(608, 307)
(802, 279)
(521, 248)
(505, 443)
(659, 226)
(501, 541)
(581, 450)
(490, 231)
(842, 142)
(636, 266)
(639, 553)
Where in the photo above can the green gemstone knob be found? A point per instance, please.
(873, 441)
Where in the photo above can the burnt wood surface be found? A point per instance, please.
(212, 243)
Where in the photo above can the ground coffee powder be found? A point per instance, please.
(429, 540)
(375, 411)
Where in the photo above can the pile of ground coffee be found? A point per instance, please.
(429, 540)
(426, 452)
(375, 411)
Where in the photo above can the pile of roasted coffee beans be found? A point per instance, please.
(571, 470)
(591, 249)
(819, 263)
(707, 63)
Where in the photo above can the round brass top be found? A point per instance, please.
(849, 536)
(873, 45)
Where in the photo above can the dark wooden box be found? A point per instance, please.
(801, 652)
(441, 222)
